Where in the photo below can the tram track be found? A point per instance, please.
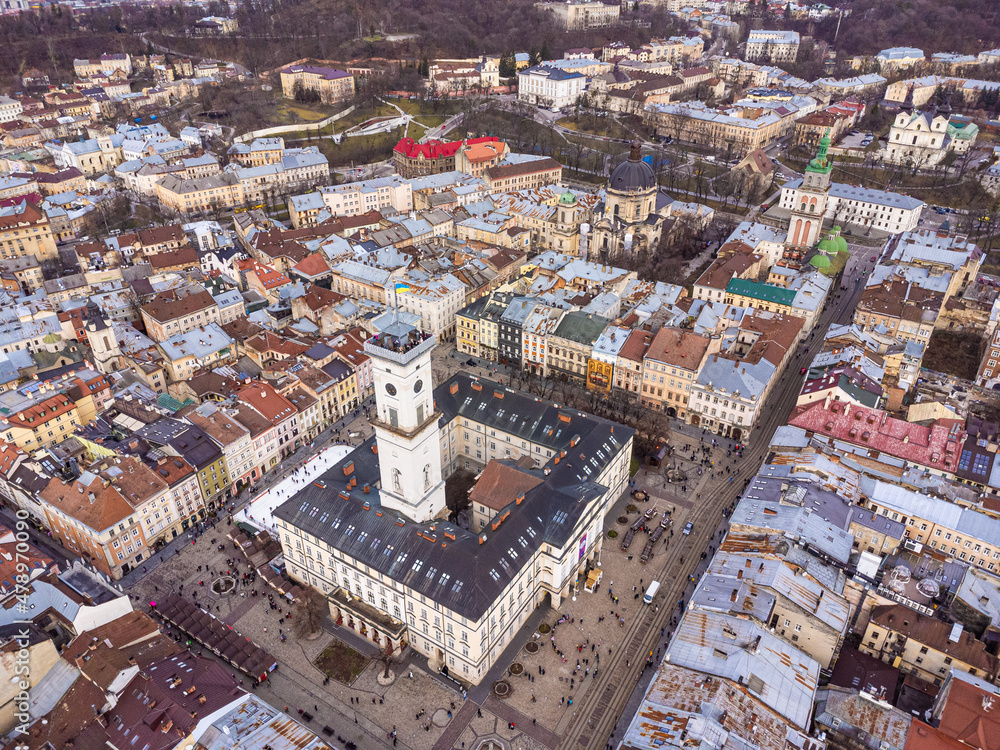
(602, 708)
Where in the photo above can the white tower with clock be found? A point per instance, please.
(406, 425)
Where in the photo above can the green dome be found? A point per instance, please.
(567, 198)
(819, 261)
(841, 244)
(828, 245)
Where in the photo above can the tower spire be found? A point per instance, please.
(907, 105)
(944, 109)
(821, 163)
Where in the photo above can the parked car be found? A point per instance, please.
(688, 528)
(803, 371)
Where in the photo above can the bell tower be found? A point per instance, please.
(406, 425)
(806, 220)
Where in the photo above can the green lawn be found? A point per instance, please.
(432, 121)
(419, 107)
(297, 112)
(361, 150)
(599, 126)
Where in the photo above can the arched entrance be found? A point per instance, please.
(671, 411)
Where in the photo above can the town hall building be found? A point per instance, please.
(373, 534)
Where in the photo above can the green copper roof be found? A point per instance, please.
(169, 402)
(819, 260)
(833, 243)
(828, 245)
(821, 164)
(567, 198)
(763, 292)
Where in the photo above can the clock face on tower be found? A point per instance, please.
(390, 389)
(418, 386)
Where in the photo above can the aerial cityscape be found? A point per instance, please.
(545, 375)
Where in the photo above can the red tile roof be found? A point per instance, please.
(182, 256)
(42, 412)
(268, 402)
(499, 485)
(965, 716)
(925, 737)
(635, 347)
(267, 276)
(734, 258)
(678, 348)
(162, 235)
(27, 214)
(436, 149)
(312, 266)
(937, 446)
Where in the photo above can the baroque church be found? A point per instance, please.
(631, 222)
(924, 138)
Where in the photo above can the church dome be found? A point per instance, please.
(819, 260)
(828, 245)
(567, 198)
(633, 175)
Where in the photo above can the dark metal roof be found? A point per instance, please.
(459, 569)
(632, 175)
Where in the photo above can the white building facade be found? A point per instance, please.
(549, 87)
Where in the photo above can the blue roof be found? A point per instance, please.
(554, 74)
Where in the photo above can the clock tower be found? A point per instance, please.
(806, 220)
(406, 424)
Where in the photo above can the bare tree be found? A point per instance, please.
(309, 613)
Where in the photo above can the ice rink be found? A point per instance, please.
(259, 512)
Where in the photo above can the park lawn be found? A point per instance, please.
(431, 121)
(605, 147)
(579, 127)
(419, 107)
(290, 113)
(599, 126)
(362, 114)
(360, 150)
(341, 662)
